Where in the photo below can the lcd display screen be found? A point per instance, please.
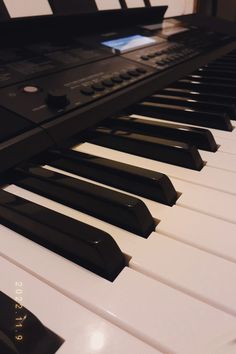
(126, 44)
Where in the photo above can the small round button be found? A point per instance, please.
(117, 79)
(125, 76)
(30, 89)
(98, 87)
(108, 83)
(160, 63)
(57, 98)
(151, 55)
(133, 72)
(88, 91)
(144, 57)
(141, 70)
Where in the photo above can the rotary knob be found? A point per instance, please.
(57, 98)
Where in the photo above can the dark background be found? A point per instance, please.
(222, 8)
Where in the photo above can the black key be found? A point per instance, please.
(149, 184)
(21, 332)
(194, 104)
(213, 79)
(222, 66)
(201, 138)
(225, 61)
(153, 148)
(206, 87)
(6, 346)
(181, 114)
(211, 72)
(197, 95)
(83, 244)
(114, 207)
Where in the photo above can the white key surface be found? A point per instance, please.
(82, 331)
(221, 160)
(155, 313)
(135, 3)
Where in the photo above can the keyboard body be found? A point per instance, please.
(69, 99)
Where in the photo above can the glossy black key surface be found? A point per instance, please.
(211, 72)
(6, 345)
(117, 208)
(206, 97)
(183, 115)
(225, 61)
(83, 244)
(206, 87)
(201, 138)
(169, 151)
(196, 105)
(213, 79)
(222, 66)
(21, 332)
(146, 183)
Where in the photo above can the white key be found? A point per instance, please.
(107, 5)
(227, 145)
(170, 261)
(83, 332)
(135, 3)
(201, 231)
(24, 8)
(193, 196)
(219, 160)
(217, 204)
(167, 319)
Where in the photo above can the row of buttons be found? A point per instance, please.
(112, 81)
(159, 53)
(175, 57)
(172, 57)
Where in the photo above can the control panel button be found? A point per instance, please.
(125, 76)
(98, 87)
(144, 57)
(30, 89)
(88, 91)
(108, 83)
(57, 98)
(117, 79)
(133, 72)
(160, 63)
(141, 70)
(152, 55)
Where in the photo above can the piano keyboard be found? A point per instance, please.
(147, 203)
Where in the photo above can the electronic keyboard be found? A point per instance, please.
(118, 196)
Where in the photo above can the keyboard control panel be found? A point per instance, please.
(46, 98)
